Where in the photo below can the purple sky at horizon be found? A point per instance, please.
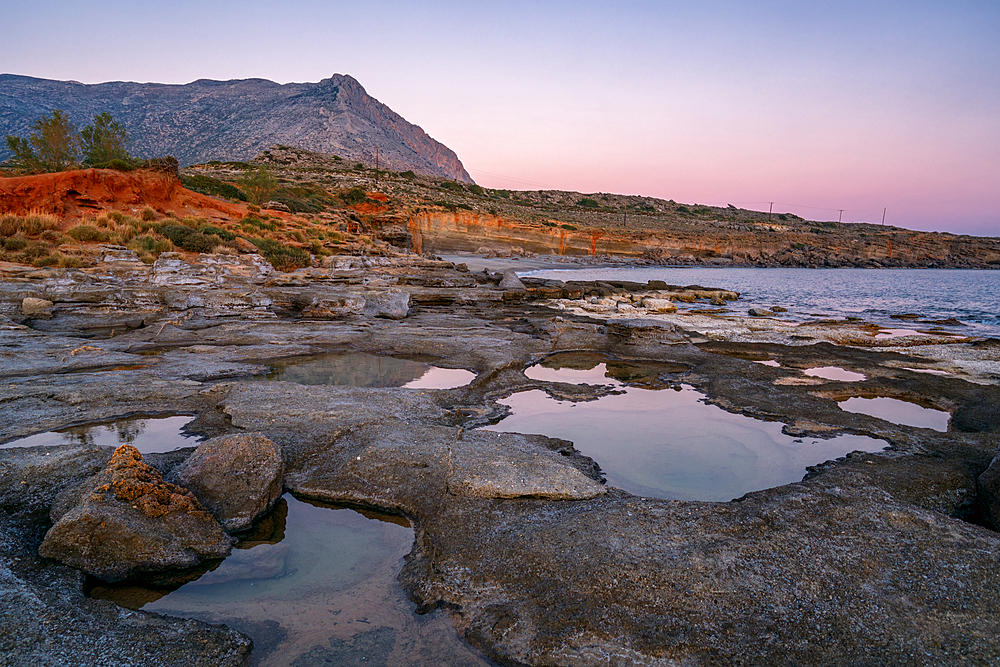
(817, 106)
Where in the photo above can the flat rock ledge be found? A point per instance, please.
(129, 520)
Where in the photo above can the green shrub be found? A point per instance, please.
(207, 185)
(15, 243)
(453, 186)
(683, 209)
(354, 196)
(116, 165)
(217, 231)
(88, 233)
(150, 245)
(569, 227)
(252, 223)
(148, 214)
(588, 203)
(407, 174)
(189, 239)
(281, 257)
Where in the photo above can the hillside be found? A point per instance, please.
(324, 207)
(235, 120)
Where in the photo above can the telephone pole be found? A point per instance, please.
(376, 164)
(841, 216)
(769, 208)
(883, 217)
(625, 214)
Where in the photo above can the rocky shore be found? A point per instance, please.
(876, 558)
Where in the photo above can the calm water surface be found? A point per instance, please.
(315, 586)
(360, 369)
(666, 442)
(147, 434)
(971, 297)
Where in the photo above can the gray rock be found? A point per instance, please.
(238, 478)
(276, 206)
(511, 282)
(988, 486)
(397, 236)
(393, 304)
(133, 521)
(32, 307)
(645, 330)
(759, 312)
(334, 307)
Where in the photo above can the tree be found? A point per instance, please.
(258, 185)
(103, 141)
(53, 146)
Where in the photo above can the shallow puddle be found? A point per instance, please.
(668, 443)
(896, 333)
(898, 412)
(834, 373)
(360, 369)
(315, 585)
(147, 434)
(768, 362)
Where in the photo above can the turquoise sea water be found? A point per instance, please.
(971, 297)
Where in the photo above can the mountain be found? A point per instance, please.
(235, 120)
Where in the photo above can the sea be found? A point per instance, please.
(969, 297)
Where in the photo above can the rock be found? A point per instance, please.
(32, 307)
(632, 331)
(393, 304)
(397, 236)
(778, 309)
(510, 282)
(988, 487)
(659, 305)
(758, 312)
(132, 521)
(524, 478)
(276, 206)
(238, 478)
(334, 307)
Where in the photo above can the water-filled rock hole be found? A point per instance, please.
(652, 441)
(313, 584)
(361, 369)
(147, 434)
(898, 412)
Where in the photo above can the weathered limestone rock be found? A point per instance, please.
(988, 486)
(334, 307)
(238, 478)
(210, 269)
(32, 307)
(645, 330)
(759, 312)
(133, 521)
(511, 282)
(659, 305)
(393, 304)
(397, 236)
(536, 477)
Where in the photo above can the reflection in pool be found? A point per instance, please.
(670, 444)
(147, 434)
(314, 585)
(360, 369)
(834, 373)
(898, 412)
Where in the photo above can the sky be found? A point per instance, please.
(816, 106)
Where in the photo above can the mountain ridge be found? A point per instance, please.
(235, 119)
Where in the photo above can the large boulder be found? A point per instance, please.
(510, 282)
(393, 304)
(237, 477)
(131, 520)
(989, 491)
(334, 307)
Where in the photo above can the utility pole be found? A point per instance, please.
(376, 164)
(625, 214)
(841, 216)
(883, 217)
(769, 208)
